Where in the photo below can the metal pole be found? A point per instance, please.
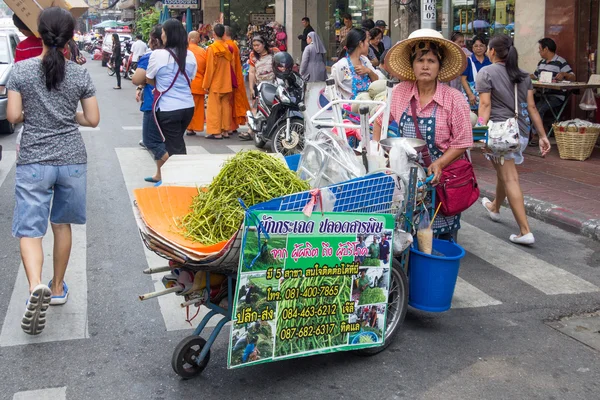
(223, 8)
(428, 14)
(447, 18)
(284, 13)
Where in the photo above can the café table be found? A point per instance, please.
(568, 89)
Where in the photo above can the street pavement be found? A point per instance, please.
(106, 344)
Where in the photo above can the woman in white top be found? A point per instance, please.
(353, 73)
(169, 70)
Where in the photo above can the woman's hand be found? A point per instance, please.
(362, 70)
(472, 99)
(435, 169)
(544, 146)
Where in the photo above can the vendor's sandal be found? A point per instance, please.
(525, 239)
(214, 137)
(244, 136)
(59, 300)
(494, 216)
(34, 318)
(150, 179)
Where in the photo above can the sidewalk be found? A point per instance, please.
(565, 193)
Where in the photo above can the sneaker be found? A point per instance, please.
(141, 143)
(59, 300)
(34, 318)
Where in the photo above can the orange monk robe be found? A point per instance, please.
(240, 103)
(217, 82)
(197, 87)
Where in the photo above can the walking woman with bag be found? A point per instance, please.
(168, 71)
(50, 179)
(505, 93)
(426, 109)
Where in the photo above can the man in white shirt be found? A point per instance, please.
(138, 49)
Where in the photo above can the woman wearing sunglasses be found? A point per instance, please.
(423, 107)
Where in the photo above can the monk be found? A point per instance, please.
(219, 84)
(239, 100)
(197, 124)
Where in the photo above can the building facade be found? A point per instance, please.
(573, 24)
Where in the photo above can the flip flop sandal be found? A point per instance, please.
(244, 136)
(214, 137)
(34, 318)
(226, 137)
(150, 179)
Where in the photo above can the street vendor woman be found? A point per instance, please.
(421, 62)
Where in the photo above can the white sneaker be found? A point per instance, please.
(525, 239)
(493, 215)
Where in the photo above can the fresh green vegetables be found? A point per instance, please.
(365, 339)
(370, 262)
(252, 176)
(372, 296)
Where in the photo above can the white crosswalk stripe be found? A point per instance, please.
(59, 393)
(538, 273)
(468, 296)
(6, 164)
(67, 322)
(135, 165)
(132, 128)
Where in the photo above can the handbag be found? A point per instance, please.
(157, 94)
(503, 137)
(458, 189)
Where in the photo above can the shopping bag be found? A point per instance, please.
(588, 101)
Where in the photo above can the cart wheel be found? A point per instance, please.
(397, 307)
(185, 356)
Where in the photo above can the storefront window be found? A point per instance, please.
(481, 17)
(239, 14)
(359, 10)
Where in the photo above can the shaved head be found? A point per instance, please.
(227, 32)
(194, 37)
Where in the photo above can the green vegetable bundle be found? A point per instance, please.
(370, 262)
(365, 339)
(372, 296)
(253, 176)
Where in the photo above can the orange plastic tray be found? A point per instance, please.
(161, 207)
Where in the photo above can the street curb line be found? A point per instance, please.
(554, 215)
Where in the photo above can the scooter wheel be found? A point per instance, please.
(185, 357)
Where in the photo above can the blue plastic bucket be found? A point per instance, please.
(432, 279)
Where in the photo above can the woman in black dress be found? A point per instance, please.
(117, 59)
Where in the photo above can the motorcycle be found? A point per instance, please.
(128, 65)
(278, 117)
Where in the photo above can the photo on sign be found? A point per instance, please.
(252, 342)
(269, 254)
(304, 320)
(372, 324)
(370, 286)
(377, 250)
(252, 303)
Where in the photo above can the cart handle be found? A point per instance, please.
(315, 121)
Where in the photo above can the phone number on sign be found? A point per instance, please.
(309, 311)
(307, 331)
(312, 292)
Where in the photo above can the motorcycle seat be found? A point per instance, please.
(268, 93)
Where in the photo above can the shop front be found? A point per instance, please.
(480, 17)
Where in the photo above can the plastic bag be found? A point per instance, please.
(588, 101)
(402, 240)
(425, 235)
(328, 159)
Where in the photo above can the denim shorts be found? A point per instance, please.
(48, 191)
(151, 136)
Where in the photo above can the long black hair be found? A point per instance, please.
(507, 53)
(176, 40)
(116, 42)
(56, 26)
(353, 39)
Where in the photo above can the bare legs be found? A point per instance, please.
(508, 187)
(159, 164)
(32, 255)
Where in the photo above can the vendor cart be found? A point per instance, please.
(205, 275)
